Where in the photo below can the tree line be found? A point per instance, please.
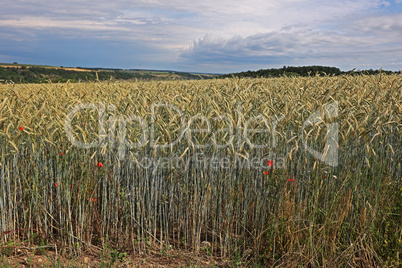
(303, 71)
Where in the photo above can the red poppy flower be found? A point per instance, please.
(71, 186)
(291, 179)
(21, 128)
(94, 199)
(100, 164)
(266, 172)
(56, 184)
(61, 153)
(270, 163)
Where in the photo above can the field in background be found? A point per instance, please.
(57, 68)
(26, 73)
(294, 209)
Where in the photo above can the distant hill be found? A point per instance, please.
(28, 73)
(302, 71)
(25, 73)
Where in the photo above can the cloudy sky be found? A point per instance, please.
(216, 36)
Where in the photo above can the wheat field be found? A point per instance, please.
(84, 165)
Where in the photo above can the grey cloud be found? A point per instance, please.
(379, 25)
(308, 47)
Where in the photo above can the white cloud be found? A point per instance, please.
(41, 23)
(379, 25)
(275, 49)
(223, 18)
